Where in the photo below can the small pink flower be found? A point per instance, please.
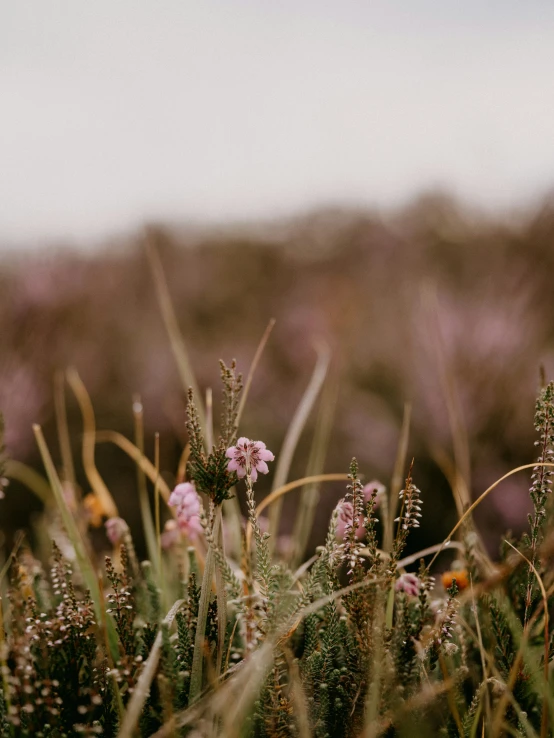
(345, 510)
(407, 583)
(248, 457)
(170, 535)
(185, 498)
(116, 530)
(190, 526)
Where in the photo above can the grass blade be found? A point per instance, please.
(144, 501)
(69, 523)
(309, 497)
(178, 346)
(293, 434)
(89, 441)
(142, 687)
(198, 658)
(397, 478)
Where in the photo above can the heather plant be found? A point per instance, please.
(355, 642)
(222, 632)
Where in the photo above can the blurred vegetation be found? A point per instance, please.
(434, 305)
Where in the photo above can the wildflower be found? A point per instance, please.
(411, 505)
(170, 535)
(460, 575)
(344, 520)
(185, 498)
(94, 510)
(408, 583)
(345, 509)
(248, 458)
(116, 530)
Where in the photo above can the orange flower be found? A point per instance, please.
(94, 510)
(461, 576)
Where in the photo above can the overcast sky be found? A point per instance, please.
(113, 112)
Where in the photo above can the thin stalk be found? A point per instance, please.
(138, 457)
(221, 601)
(544, 720)
(276, 494)
(262, 564)
(144, 501)
(478, 501)
(458, 430)
(63, 430)
(182, 466)
(142, 687)
(209, 419)
(198, 658)
(89, 441)
(177, 342)
(157, 508)
(309, 497)
(293, 435)
(253, 367)
(70, 525)
(28, 476)
(397, 478)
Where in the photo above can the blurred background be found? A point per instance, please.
(377, 177)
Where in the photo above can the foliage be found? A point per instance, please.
(347, 645)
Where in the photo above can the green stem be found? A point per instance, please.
(198, 657)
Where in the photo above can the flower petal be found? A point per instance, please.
(253, 474)
(261, 466)
(233, 465)
(243, 441)
(231, 452)
(241, 472)
(174, 499)
(266, 455)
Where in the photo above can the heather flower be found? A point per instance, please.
(171, 535)
(185, 498)
(248, 458)
(116, 530)
(345, 509)
(344, 520)
(408, 583)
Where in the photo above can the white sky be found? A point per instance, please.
(117, 111)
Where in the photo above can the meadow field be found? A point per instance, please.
(285, 479)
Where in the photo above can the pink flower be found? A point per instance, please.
(116, 530)
(248, 457)
(345, 509)
(170, 535)
(185, 498)
(407, 583)
(345, 519)
(190, 526)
